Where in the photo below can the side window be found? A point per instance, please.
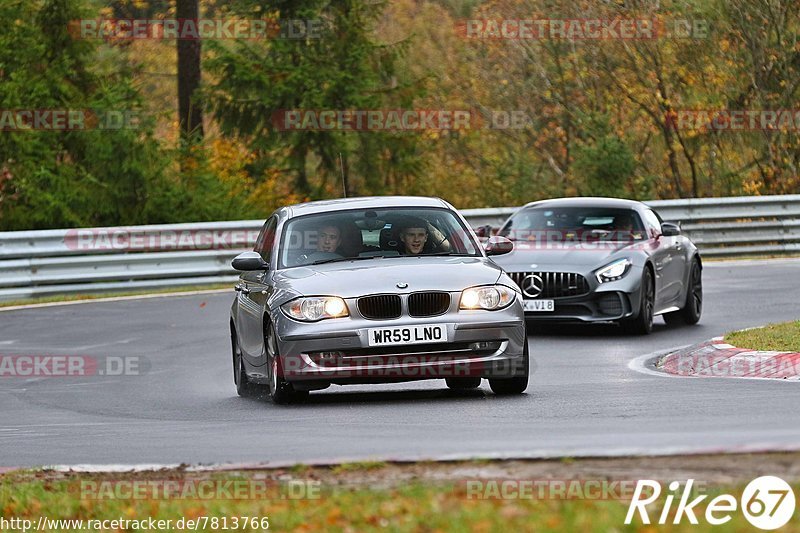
(637, 222)
(266, 238)
(653, 223)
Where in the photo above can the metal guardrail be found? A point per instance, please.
(43, 263)
(697, 210)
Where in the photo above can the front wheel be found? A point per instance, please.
(280, 391)
(643, 323)
(693, 306)
(517, 384)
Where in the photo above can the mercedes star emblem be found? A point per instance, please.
(532, 285)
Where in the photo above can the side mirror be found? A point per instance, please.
(668, 229)
(247, 261)
(498, 245)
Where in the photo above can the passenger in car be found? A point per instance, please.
(413, 236)
(625, 226)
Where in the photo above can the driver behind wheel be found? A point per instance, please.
(329, 238)
(318, 243)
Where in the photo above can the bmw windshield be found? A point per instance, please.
(373, 234)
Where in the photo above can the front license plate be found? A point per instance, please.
(539, 306)
(407, 335)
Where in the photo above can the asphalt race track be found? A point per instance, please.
(582, 398)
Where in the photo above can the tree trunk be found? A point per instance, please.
(344, 173)
(672, 158)
(298, 158)
(190, 113)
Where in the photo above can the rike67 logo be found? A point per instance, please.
(767, 502)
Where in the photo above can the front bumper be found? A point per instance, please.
(603, 302)
(593, 307)
(479, 344)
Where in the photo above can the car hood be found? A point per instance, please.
(562, 256)
(358, 278)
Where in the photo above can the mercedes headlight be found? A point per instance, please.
(614, 271)
(316, 308)
(489, 298)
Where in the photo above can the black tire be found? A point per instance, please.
(693, 306)
(463, 383)
(673, 318)
(517, 384)
(642, 324)
(244, 387)
(281, 391)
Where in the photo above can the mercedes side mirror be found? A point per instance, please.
(498, 245)
(668, 229)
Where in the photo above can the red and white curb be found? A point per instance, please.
(716, 359)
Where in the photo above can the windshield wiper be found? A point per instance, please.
(454, 254)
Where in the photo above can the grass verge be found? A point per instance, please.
(751, 257)
(82, 297)
(391, 497)
(784, 337)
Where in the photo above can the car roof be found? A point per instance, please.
(363, 202)
(587, 201)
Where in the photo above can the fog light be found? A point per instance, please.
(327, 358)
(478, 346)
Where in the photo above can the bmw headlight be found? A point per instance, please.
(316, 308)
(490, 297)
(614, 271)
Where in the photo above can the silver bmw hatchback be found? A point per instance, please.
(374, 290)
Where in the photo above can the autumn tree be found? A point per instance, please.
(63, 178)
(340, 64)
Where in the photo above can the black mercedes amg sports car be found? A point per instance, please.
(602, 259)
